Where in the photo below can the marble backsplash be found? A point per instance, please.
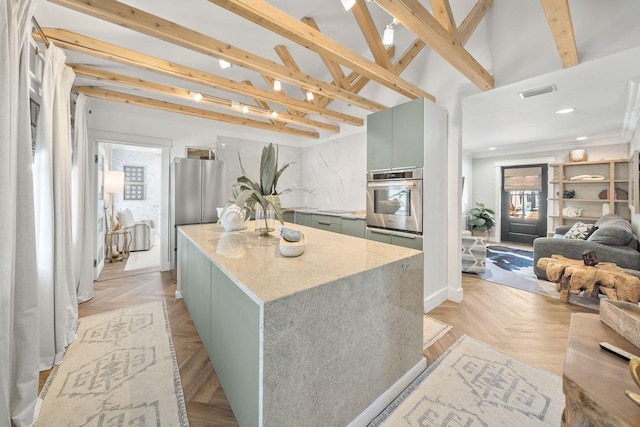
(330, 175)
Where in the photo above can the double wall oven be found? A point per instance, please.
(394, 199)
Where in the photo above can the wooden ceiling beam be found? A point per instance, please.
(442, 12)
(288, 60)
(93, 47)
(409, 55)
(559, 19)
(371, 34)
(419, 21)
(142, 84)
(333, 67)
(140, 101)
(151, 25)
(277, 21)
(470, 23)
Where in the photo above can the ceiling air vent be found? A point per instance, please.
(538, 91)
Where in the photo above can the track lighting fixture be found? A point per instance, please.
(274, 114)
(348, 4)
(245, 109)
(197, 96)
(277, 85)
(387, 37)
(224, 64)
(309, 95)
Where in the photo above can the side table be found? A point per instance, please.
(118, 243)
(594, 380)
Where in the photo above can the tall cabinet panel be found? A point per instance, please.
(379, 139)
(408, 134)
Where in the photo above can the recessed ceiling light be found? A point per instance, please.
(492, 148)
(538, 91)
(581, 138)
(566, 111)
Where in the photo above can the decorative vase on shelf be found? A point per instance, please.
(265, 219)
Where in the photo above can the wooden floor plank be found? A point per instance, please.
(530, 327)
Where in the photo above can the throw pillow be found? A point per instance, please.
(126, 218)
(618, 235)
(579, 230)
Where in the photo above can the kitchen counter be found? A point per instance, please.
(327, 338)
(342, 213)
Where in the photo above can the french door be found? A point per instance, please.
(524, 203)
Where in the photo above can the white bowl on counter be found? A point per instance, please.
(292, 249)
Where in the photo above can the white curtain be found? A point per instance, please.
(18, 278)
(52, 184)
(82, 203)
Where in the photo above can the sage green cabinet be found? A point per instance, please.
(355, 227)
(327, 222)
(395, 136)
(303, 218)
(407, 241)
(410, 241)
(379, 139)
(199, 294)
(289, 216)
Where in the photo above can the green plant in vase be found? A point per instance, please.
(261, 196)
(481, 220)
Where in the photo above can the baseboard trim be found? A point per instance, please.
(455, 295)
(387, 397)
(434, 300)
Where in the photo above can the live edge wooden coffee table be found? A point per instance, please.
(594, 380)
(573, 277)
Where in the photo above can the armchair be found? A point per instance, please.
(143, 233)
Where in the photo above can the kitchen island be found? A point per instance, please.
(326, 338)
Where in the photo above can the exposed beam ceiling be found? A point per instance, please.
(416, 18)
(100, 49)
(371, 35)
(273, 19)
(110, 95)
(146, 23)
(162, 89)
(559, 19)
(470, 23)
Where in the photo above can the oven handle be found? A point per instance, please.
(394, 183)
(393, 169)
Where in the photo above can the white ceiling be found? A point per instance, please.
(513, 43)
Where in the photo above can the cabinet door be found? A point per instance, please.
(289, 217)
(408, 134)
(379, 235)
(407, 241)
(353, 227)
(379, 139)
(327, 223)
(303, 218)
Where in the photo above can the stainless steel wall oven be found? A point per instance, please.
(394, 199)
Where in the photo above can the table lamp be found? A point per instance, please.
(113, 183)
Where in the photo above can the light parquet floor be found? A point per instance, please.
(530, 327)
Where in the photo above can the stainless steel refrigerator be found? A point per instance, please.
(197, 188)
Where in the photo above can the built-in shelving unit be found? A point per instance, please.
(600, 187)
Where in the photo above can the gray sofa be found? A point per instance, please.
(613, 241)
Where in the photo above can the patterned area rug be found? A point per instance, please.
(144, 259)
(121, 371)
(513, 267)
(432, 330)
(475, 385)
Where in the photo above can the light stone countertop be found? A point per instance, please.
(257, 265)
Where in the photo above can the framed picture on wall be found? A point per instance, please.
(133, 191)
(133, 173)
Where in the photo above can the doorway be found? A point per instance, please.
(524, 203)
(140, 197)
